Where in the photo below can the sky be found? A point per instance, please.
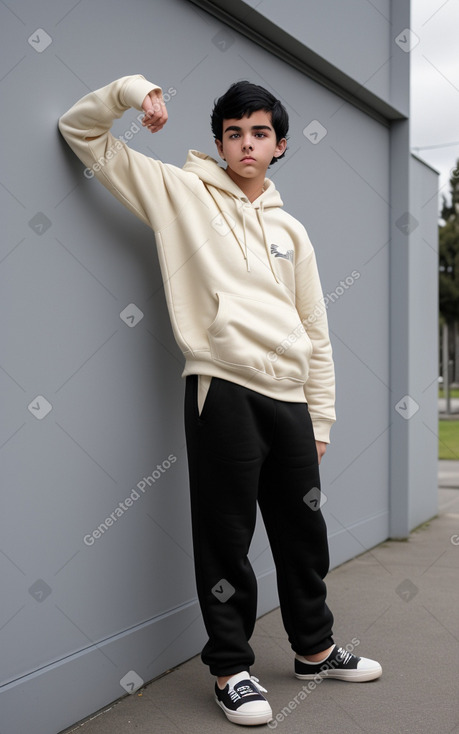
(435, 85)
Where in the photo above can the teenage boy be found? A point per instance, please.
(246, 308)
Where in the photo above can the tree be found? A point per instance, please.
(449, 267)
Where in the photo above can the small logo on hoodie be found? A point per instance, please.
(278, 252)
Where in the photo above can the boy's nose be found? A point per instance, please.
(247, 145)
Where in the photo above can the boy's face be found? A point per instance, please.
(249, 144)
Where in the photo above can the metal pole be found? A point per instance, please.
(446, 369)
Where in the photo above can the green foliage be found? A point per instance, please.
(449, 253)
(453, 393)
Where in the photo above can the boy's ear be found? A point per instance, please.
(219, 145)
(280, 147)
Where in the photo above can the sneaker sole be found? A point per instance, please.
(352, 676)
(246, 719)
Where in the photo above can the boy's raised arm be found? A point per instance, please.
(128, 174)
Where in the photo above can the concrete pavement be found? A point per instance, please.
(454, 406)
(397, 603)
(448, 474)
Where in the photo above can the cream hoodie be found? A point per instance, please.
(240, 278)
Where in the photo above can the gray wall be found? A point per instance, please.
(77, 619)
(353, 36)
(423, 305)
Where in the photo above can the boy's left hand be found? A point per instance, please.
(321, 449)
(155, 111)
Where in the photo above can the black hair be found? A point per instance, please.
(243, 98)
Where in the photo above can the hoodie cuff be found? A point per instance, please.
(135, 91)
(322, 430)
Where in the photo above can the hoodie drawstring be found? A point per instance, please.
(244, 245)
(245, 241)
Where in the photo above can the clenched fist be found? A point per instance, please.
(155, 111)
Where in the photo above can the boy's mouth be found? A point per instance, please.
(248, 159)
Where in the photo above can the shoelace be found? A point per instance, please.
(234, 695)
(257, 684)
(344, 655)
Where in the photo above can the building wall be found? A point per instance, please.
(340, 34)
(93, 399)
(423, 305)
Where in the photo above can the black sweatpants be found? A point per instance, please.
(245, 447)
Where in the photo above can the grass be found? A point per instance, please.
(454, 393)
(448, 444)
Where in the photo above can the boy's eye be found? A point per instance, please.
(233, 136)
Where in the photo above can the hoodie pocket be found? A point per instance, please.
(260, 336)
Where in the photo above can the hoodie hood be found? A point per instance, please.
(212, 174)
(228, 196)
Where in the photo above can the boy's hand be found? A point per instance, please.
(321, 449)
(155, 111)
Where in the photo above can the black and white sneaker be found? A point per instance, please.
(242, 701)
(339, 664)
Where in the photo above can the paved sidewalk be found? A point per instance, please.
(400, 601)
(448, 474)
(454, 407)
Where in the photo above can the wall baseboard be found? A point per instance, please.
(74, 688)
